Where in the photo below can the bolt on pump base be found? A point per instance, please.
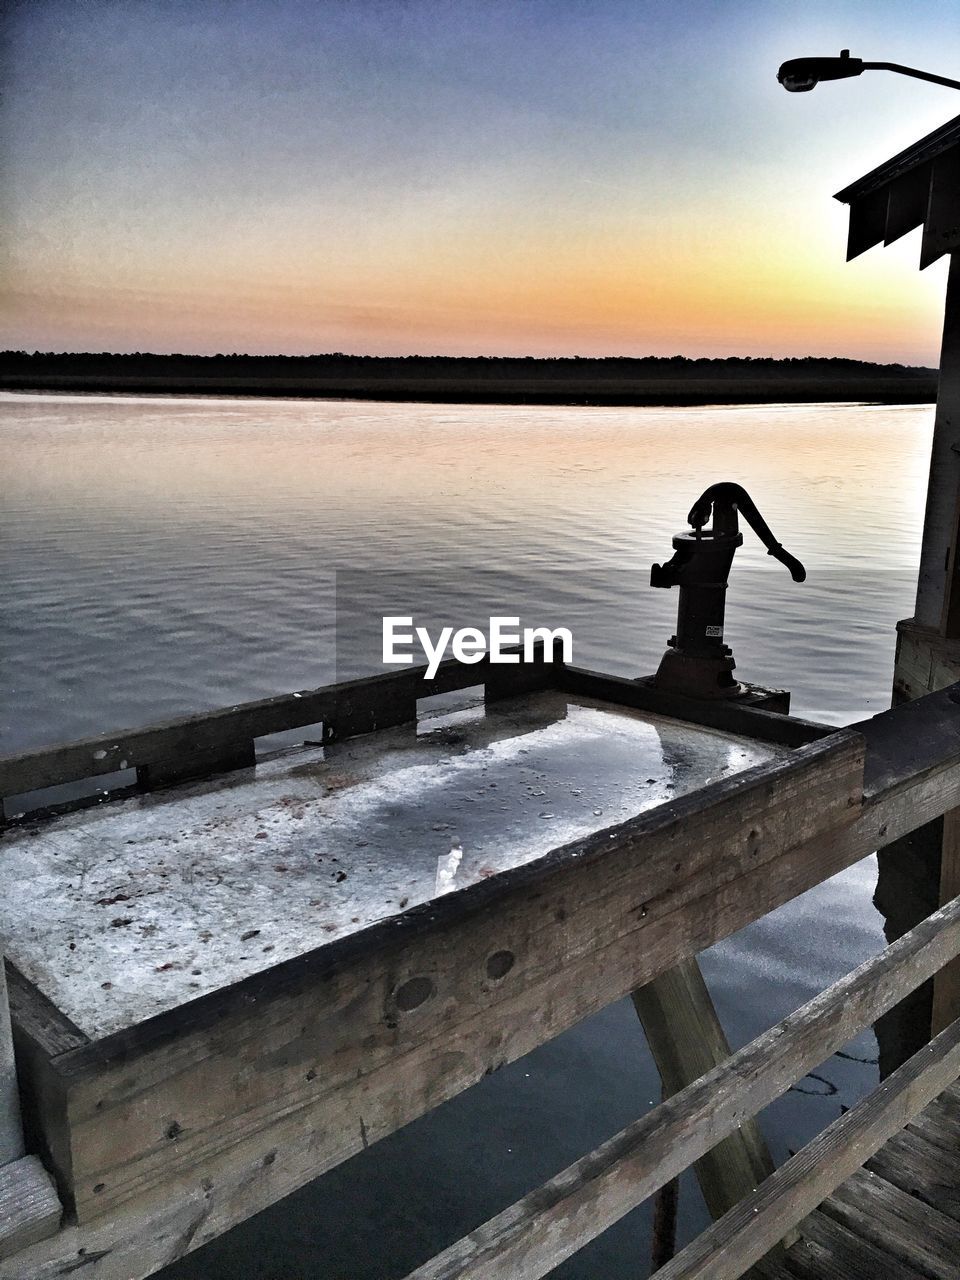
(697, 663)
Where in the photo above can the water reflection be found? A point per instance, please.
(163, 556)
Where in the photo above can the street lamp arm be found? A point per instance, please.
(911, 71)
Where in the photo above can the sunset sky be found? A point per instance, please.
(529, 177)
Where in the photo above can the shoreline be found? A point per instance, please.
(665, 392)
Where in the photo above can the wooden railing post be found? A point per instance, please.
(11, 1128)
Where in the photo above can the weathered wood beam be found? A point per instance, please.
(11, 1127)
(728, 1248)
(896, 1222)
(215, 740)
(29, 1208)
(946, 984)
(925, 661)
(909, 741)
(534, 1235)
(40, 1034)
(943, 487)
(732, 716)
(687, 1041)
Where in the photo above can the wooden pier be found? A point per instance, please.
(897, 1217)
(160, 1130)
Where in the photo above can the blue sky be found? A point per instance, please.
(511, 176)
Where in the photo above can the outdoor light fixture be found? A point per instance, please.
(799, 75)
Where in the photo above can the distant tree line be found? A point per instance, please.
(105, 364)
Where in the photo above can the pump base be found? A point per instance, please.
(697, 677)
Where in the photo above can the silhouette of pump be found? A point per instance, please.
(698, 664)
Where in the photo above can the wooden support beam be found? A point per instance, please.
(663, 1232)
(11, 1128)
(946, 984)
(29, 1208)
(687, 1041)
(732, 715)
(743, 1236)
(535, 1235)
(943, 487)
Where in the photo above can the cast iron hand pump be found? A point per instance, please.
(698, 663)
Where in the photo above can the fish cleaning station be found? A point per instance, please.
(232, 964)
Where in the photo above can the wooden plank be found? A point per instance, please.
(922, 1170)
(830, 1251)
(733, 716)
(909, 740)
(727, 1248)
(687, 1041)
(40, 1033)
(947, 1108)
(36, 1018)
(29, 1208)
(939, 1154)
(538, 1232)
(584, 925)
(946, 984)
(938, 1127)
(346, 709)
(191, 762)
(913, 661)
(11, 1126)
(876, 1210)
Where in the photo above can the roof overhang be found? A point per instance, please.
(918, 187)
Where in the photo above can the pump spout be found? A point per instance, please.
(697, 663)
(726, 499)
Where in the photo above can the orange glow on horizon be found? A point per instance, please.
(459, 182)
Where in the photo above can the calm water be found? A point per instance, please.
(163, 556)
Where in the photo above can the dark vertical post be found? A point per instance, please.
(914, 872)
(938, 553)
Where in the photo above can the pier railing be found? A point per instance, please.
(538, 1232)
